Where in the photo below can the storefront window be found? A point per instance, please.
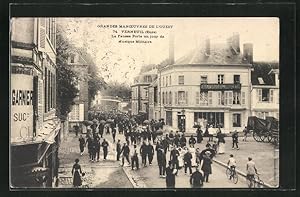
(212, 118)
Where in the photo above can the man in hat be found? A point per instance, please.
(161, 161)
(150, 152)
(235, 138)
(143, 152)
(134, 158)
(113, 132)
(174, 154)
(105, 148)
(165, 143)
(187, 158)
(125, 150)
(97, 148)
(206, 165)
(197, 178)
(170, 179)
(81, 144)
(118, 149)
(192, 141)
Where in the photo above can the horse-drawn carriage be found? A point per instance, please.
(264, 130)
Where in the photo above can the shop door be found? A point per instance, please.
(181, 123)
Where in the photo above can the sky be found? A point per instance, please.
(122, 61)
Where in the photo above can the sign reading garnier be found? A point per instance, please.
(216, 87)
(21, 107)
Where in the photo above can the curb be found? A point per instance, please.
(135, 181)
(241, 173)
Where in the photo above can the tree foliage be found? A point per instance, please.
(121, 90)
(66, 79)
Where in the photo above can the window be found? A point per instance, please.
(181, 97)
(219, 98)
(45, 90)
(148, 78)
(265, 94)
(220, 79)
(259, 94)
(170, 82)
(170, 98)
(181, 80)
(167, 80)
(236, 78)
(163, 81)
(146, 93)
(203, 79)
(228, 98)
(236, 120)
(167, 98)
(197, 98)
(163, 98)
(176, 98)
(155, 95)
(212, 118)
(236, 98)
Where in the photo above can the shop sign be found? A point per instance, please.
(217, 87)
(21, 107)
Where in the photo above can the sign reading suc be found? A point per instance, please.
(21, 107)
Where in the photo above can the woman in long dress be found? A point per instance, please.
(76, 172)
(221, 142)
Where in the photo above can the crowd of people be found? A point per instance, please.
(173, 150)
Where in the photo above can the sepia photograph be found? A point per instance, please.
(144, 102)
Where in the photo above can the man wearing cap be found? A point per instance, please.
(197, 178)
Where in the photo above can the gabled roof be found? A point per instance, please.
(220, 53)
(261, 72)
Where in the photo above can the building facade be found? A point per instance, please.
(209, 86)
(265, 90)
(79, 111)
(34, 126)
(139, 92)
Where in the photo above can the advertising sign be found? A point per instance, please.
(21, 107)
(218, 87)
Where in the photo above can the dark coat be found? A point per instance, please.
(170, 179)
(196, 179)
(76, 171)
(206, 167)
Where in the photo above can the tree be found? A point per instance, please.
(66, 78)
(121, 90)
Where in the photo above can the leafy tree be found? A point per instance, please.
(121, 90)
(66, 79)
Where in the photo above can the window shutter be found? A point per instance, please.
(219, 98)
(186, 98)
(176, 98)
(167, 98)
(170, 98)
(42, 34)
(210, 98)
(226, 98)
(271, 96)
(259, 94)
(243, 98)
(230, 98)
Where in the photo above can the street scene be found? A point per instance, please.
(144, 103)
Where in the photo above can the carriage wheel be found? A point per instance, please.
(264, 137)
(256, 136)
(270, 138)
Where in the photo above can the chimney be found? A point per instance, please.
(248, 52)
(207, 47)
(234, 43)
(171, 48)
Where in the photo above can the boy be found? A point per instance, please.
(231, 164)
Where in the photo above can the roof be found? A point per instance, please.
(261, 74)
(220, 53)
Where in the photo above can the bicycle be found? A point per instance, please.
(232, 175)
(254, 181)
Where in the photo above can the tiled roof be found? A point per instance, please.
(261, 70)
(219, 54)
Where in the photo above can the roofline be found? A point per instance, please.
(140, 84)
(208, 65)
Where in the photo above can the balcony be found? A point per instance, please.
(220, 87)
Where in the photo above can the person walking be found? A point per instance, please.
(125, 153)
(206, 165)
(105, 148)
(101, 129)
(113, 132)
(235, 138)
(90, 146)
(176, 139)
(221, 142)
(182, 141)
(81, 144)
(187, 158)
(143, 152)
(97, 149)
(199, 135)
(245, 131)
(76, 173)
(174, 154)
(211, 133)
(150, 152)
(192, 141)
(118, 149)
(76, 129)
(197, 179)
(165, 143)
(161, 161)
(134, 158)
(94, 149)
(170, 178)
